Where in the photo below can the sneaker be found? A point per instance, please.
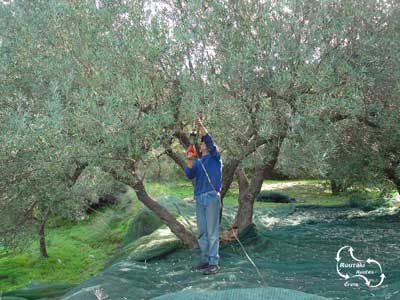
(200, 266)
(212, 269)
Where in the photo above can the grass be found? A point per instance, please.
(81, 249)
(184, 189)
(77, 250)
(306, 192)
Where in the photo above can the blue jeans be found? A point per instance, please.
(208, 206)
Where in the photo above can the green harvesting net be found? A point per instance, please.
(294, 252)
(270, 293)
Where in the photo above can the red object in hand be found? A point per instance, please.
(192, 149)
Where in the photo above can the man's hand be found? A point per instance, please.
(199, 122)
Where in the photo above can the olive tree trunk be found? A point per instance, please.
(249, 190)
(165, 216)
(42, 235)
(186, 236)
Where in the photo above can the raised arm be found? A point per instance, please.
(212, 148)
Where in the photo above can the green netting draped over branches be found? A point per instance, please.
(294, 251)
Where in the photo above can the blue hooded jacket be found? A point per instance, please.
(212, 163)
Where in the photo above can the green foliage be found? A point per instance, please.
(77, 250)
(93, 184)
(366, 203)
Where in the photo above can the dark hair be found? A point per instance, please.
(202, 139)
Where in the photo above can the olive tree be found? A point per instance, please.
(110, 84)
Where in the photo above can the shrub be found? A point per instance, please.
(268, 196)
(367, 203)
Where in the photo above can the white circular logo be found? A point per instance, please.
(366, 270)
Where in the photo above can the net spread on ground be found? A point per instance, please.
(300, 253)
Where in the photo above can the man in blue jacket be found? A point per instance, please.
(207, 194)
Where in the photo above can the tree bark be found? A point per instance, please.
(178, 159)
(165, 216)
(336, 187)
(42, 241)
(243, 186)
(248, 191)
(81, 166)
(228, 172)
(181, 232)
(242, 179)
(42, 235)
